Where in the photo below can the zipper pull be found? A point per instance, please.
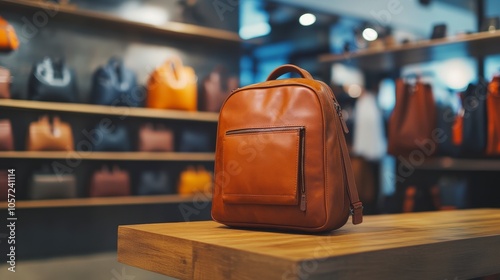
(339, 113)
(303, 202)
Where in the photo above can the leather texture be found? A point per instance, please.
(172, 86)
(8, 37)
(52, 80)
(154, 183)
(115, 138)
(194, 180)
(215, 89)
(194, 140)
(155, 139)
(6, 136)
(413, 118)
(105, 182)
(114, 84)
(5, 80)
(493, 110)
(281, 157)
(46, 136)
(50, 186)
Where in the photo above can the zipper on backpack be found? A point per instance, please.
(301, 171)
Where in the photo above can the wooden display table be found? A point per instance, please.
(431, 245)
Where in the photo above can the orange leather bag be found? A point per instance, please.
(193, 181)
(6, 138)
(5, 80)
(413, 120)
(281, 159)
(493, 112)
(46, 136)
(160, 139)
(172, 86)
(107, 182)
(8, 37)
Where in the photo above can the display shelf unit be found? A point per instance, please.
(460, 164)
(476, 44)
(172, 29)
(119, 156)
(109, 110)
(110, 201)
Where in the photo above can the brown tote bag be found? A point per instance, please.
(44, 136)
(6, 138)
(413, 120)
(107, 182)
(5, 81)
(159, 139)
(493, 113)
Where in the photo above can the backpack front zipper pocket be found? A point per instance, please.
(264, 166)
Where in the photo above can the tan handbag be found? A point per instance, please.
(493, 113)
(44, 136)
(107, 182)
(215, 88)
(8, 37)
(6, 138)
(160, 139)
(281, 159)
(5, 80)
(193, 181)
(172, 86)
(413, 120)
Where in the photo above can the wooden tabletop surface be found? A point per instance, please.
(458, 244)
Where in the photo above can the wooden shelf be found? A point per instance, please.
(128, 156)
(109, 110)
(477, 44)
(109, 201)
(459, 164)
(174, 29)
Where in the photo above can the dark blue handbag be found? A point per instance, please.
(113, 84)
(52, 80)
(114, 139)
(154, 183)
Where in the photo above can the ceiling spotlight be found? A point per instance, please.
(369, 34)
(307, 19)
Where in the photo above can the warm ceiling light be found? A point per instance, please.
(307, 19)
(370, 34)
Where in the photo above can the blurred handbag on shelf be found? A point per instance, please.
(5, 80)
(114, 84)
(215, 88)
(490, 24)
(8, 37)
(45, 185)
(51, 80)
(106, 182)
(6, 136)
(172, 86)
(115, 138)
(449, 124)
(194, 140)
(412, 120)
(4, 186)
(46, 136)
(155, 183)
(159, 139)
(474, 119)
(493, 111)
(194, 180)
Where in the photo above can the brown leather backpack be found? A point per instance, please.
(281, 158)
(44, 136)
